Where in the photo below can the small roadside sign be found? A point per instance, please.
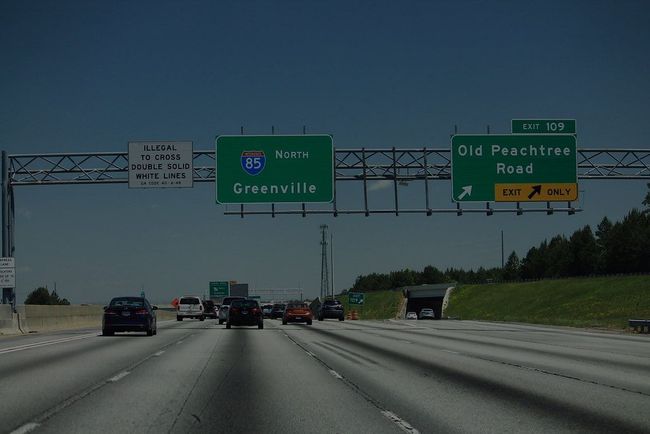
(7, 274)
(355, 298)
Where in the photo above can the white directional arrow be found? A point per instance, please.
(467, 191)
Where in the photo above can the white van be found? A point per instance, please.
(190, 306)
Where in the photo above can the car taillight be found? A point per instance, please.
(141, 312)
(234, 309)
(256, 310)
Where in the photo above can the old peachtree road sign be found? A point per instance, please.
(514, 168)
(273, 169)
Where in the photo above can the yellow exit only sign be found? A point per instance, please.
(535, 192)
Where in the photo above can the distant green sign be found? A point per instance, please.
(219, 289)
(355, 298)
(543, 126)
(275, 169)
(514, 168)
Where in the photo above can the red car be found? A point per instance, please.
(297, 312)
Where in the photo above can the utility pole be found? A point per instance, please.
(502, 259)
(332, 260)
(324, 273)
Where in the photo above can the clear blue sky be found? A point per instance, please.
(94, 75)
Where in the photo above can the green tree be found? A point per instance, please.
(39, 296)
(585, 252)
(512, 268)
(430, 275)
(646, 201)
(42, 296)
(603, 241)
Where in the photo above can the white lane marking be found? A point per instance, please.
(336, 374)
(45, 343)
(159, 353)
(450, 352)
(310, 354)
(404, 425)
(118, 377)
(28, 427)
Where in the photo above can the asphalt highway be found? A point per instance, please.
(331, 377)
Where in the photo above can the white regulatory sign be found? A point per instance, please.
(160, 164)
(7, 277)
(7, 262)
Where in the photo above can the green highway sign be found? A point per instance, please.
(514, 168)
(275, 169)
(219, 289)
(355, 298)
(543, 126)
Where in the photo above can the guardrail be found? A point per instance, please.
(640, 325)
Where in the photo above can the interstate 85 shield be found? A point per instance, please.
(253, 162)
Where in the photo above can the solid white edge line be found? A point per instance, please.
(118, 377)
(336, 374)
(450, 352)
(159, 353)
(404, 425)
(28, 427)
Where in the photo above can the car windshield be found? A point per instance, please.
(278, 306)
(189, 300)
(297, 306)
(331, 302)
(127, 302)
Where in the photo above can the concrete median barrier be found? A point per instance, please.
(39, 318)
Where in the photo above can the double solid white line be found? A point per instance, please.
(45, 343)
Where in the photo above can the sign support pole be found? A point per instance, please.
(7, 227)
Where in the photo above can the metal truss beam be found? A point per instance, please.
(366, 165)
(361, 164)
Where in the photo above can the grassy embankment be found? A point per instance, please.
(376, 305)
(605, 302)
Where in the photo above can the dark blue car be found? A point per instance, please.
(129, 314)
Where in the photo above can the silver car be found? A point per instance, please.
(427, 313)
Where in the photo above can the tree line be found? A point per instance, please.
(43, 296)
(613, 248)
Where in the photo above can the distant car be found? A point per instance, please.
(267, 310)
(297, 312)
(411, 315)
(129, 314)
(209, 309)
(245, 313)
(331, 309)
(225, 305)
(189, 306)
(278, 310)
(427, 313)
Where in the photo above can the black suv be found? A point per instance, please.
(209, 309)
(278, 310)
(245, 312)
(331, 309)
